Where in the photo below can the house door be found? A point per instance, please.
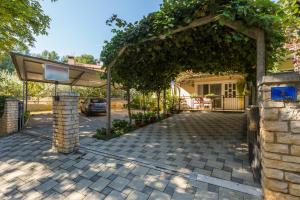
(216, 89)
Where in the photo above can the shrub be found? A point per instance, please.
(26, 116)
(120, 127)
(137, 116)
(101, 134)
(146, 118)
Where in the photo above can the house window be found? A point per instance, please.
(209, 88)
(230, 90)
(205, 89)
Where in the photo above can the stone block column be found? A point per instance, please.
(9, 119)
(65, 122)
(280, 140)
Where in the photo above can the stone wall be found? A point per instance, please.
(280, 140)
(9, 119)
(66, 122)
(294, 47)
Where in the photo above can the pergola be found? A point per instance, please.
(252, 32)
(32, 69)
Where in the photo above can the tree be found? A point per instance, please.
(86, 59)
(49, 55)
(10, 85)
(6, 63)
(21, 21)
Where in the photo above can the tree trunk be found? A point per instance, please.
(179, 99)
(165, 102)
(158, 103)
(173, 98)
(144, 104)
(129, 105)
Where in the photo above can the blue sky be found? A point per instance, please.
(78, 26)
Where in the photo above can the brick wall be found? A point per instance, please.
(280, 137)
(66, 123)
(9, 119)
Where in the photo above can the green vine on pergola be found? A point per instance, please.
(209, 48)
(207, 36)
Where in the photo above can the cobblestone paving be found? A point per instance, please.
(42, 123)
(29, 169)
(207, 143)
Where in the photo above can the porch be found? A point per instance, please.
(214, 103)
(213, 92)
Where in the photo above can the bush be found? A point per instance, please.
(137, 116)
(26, 116)
(120, 127)
(146, 118)
(101, 134)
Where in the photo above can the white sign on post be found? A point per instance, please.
(55, 73)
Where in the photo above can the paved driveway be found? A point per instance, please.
(42, 123)
(29, 170)
(210, 144)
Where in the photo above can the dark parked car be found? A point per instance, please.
(92, 106)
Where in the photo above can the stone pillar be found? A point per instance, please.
(280, 140)
(65, 122)
(9, 119)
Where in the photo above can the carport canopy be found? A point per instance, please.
(31, 68)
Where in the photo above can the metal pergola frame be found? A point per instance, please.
(31, 69)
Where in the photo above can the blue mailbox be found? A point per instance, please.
(284, 93)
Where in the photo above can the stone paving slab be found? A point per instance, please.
(55, 181)
(212, 144)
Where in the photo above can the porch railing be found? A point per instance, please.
(214, 103)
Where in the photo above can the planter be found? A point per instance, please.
(167, 115)
(138, 123)
(152, 119)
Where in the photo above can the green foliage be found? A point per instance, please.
(10, 85)
(291, 10)
(39, 90)
(86, 59)
(149, 117)
(49, 55)
(2, 104)
(6, 63)
(101, 134)
(26, 116)
(137, 116)
(150, 66)
(21, 20)
(120, 127)
(89, 91)
(241, 87)
(143, 101)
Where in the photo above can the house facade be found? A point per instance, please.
(213, 92)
